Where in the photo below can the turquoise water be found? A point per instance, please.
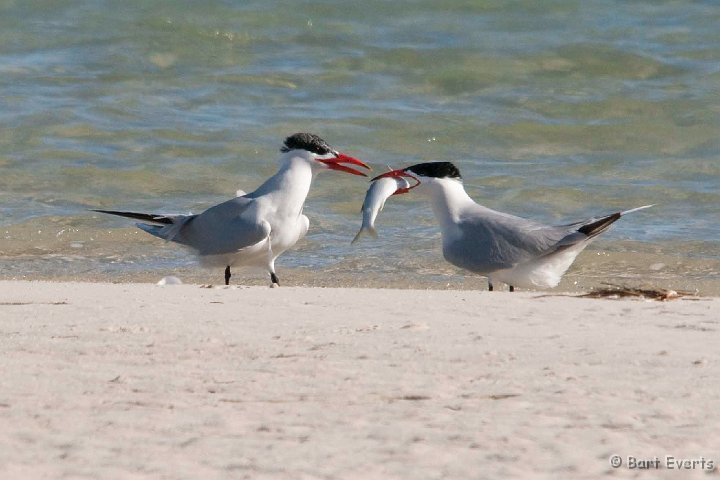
(553, 110)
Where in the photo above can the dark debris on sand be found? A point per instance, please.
(614, 291)
(622, 291)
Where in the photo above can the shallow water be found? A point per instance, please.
(556, 112)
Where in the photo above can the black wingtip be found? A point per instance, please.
(146, 217)
(599, 226)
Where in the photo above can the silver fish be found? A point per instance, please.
(379, 191)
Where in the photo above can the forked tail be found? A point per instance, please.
(369, 230)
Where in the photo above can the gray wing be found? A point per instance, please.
(224, 228)
(490, 241)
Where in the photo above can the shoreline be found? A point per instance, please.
(590, 272)
(178, 381)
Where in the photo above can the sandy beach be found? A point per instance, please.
(120, 381)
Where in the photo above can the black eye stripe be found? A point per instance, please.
(307, 141)
(436, 169)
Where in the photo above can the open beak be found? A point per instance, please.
(336, 164)
(399, 174)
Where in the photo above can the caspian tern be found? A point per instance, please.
(500, 246)
(253, 229)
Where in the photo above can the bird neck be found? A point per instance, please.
(448, 198)
(289, 187)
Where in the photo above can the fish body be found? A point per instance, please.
(379, 191)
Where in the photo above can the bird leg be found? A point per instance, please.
(271, 263)
(512, 289)
(227, 275)
(490, 286)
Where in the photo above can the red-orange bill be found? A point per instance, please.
(337, 164)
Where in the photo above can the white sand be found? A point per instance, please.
(140, 381)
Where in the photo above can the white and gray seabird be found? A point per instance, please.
(500, 246)
(255, 228)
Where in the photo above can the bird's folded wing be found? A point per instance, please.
(224, 228)
(490, 243)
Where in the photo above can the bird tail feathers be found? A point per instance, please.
(596, 227)
(166, 227)
(636, 209)
(147, 217)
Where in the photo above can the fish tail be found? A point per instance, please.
(370, 230)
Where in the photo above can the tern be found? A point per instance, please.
(502, 247)
(254, 228)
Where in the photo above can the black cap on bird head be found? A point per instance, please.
(427, 170)
(435, 169)
(326, 155)
(306, 141)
